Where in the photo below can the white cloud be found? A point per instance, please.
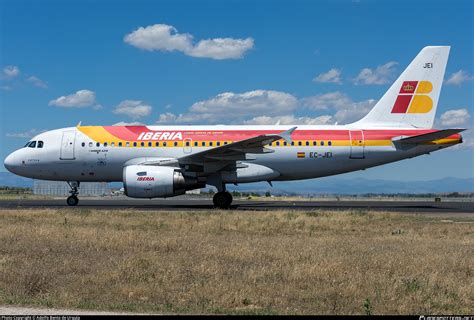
(332, 76)
(346, 110)
(455, 117)
(457, 78)
(162, 37)
(133, 108)
(380, 75)
(80, 99)
(331, 100)
(354, 111)
(37, 82)
(290, 119)
(159, 37)
(221, 48)
(229, 106)
(167, 117)
(122, 123)
(269, 107)
(10, 72)
(26, 134)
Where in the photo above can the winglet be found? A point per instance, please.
(286, 135)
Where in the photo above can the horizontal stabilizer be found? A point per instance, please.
(427, 137)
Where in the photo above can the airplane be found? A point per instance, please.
(166, 161)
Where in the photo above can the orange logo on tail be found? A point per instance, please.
(411, 101)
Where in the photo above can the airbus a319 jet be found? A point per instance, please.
(165, 161)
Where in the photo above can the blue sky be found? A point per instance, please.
(299, 61)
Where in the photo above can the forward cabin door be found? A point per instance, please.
(357, 144)
(67, 145)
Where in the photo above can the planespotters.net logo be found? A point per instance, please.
(446, 318)
(413, 97)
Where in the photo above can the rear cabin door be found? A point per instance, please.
(67, 145)
(357, 144)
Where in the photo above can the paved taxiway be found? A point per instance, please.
(188, 204)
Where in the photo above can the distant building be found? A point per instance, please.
(61, 188)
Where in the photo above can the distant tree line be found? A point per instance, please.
(15, 190)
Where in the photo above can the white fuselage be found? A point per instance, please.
(71, 155)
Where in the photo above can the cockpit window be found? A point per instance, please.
(40, 144)
(27, 144)
(32, 144)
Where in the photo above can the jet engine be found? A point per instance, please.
(142, 181)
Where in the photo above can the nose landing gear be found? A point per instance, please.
(73, 200)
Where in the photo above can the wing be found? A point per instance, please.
(238, 150)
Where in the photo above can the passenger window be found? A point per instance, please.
(134, 144)
(218, 143)
(315, 143)
(278, 143)
(195, 143)
(210, 144)
(307, 143)
(90, 144)
(175, 143)
(127, 144)
(83, 144)
(98, 144)
(225, 142)
(105, 144)
(164, 144)
(120, 144)
(32, 144)
(142, 144)
(329, 143)
(285, 143)
(40, 144)
(149, 144)
(203, 144)
(157, 144)
(112, 144)
(322, 143)
(187, 143)
(292, 143)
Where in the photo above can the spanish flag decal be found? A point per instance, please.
(300, 155)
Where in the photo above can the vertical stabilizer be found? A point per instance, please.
(412, 100)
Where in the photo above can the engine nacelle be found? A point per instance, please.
(141, 181)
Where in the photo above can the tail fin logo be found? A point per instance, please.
(413, 97)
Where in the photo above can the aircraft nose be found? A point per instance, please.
(11, 162)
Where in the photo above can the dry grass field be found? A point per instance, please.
(238, 262)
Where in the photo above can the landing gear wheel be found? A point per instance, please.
(72, 200)
(228, 197)
(222, 200)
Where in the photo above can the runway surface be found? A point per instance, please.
(428, 206)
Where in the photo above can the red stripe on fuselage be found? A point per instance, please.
(131, 133)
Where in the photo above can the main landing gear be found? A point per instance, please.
(73, 200)
(222, 200)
